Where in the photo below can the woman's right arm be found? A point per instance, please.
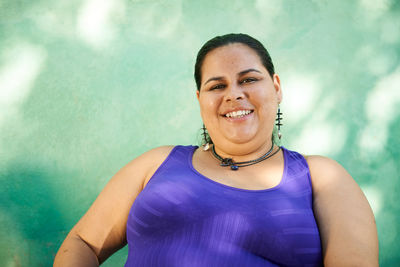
(102, 230)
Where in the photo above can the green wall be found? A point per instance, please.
(86, 86)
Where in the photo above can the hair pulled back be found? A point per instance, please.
(227, 39)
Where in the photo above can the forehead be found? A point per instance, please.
(231, 58)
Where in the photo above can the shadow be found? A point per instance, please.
(34, 215)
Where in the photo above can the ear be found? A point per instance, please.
(277, 86)
(198, 94)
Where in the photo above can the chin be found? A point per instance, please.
(240, 139)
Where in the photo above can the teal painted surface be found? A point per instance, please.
(85, 86)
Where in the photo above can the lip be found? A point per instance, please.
(239, 119)
(236, 109)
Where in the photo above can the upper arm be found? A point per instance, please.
(103, 226)
(345, 219)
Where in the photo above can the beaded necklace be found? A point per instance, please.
(235, 165)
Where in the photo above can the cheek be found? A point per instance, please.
(208, 106)
(267, 104)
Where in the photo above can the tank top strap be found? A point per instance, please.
(297, 167)
(175, 161)
(178, 156)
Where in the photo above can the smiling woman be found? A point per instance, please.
(182, 206)
(237, 82)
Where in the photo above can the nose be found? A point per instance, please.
(234, 92)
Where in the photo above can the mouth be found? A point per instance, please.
(238, 113)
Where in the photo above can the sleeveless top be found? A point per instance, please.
(182, 218)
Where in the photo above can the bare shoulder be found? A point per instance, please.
(141, 168)
(345, 219)
(156, 154)
(151, 158)
(134, 174)
(151, 161)
(321, 161)
(327, 172)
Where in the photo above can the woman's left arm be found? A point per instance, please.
(344, 216)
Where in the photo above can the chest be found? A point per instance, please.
(263, 175)
(277, 224)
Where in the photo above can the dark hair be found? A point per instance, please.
(224, 40)
(227, 39)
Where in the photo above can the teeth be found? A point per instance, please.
(237, 114)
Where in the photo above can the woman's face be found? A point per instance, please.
(238, 99)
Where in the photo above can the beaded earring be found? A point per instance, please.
(278, 121)
(206, 145)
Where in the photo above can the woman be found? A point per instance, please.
(240, 200)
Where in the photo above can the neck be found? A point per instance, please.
(243, 153)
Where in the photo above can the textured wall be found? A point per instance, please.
(87, 85)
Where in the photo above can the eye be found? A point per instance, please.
(248, 80)
(218, 86)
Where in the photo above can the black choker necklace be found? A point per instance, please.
(235, 165)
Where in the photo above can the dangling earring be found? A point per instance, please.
(278, 121)
(206, 145)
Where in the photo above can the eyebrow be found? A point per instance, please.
(243, 72)
(214, 79)
(247, 71)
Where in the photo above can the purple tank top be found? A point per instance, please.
(182, 218)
